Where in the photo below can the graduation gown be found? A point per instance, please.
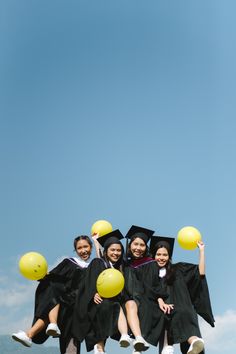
(57, 287)
(94, 322)
(142, 286)
(190, 296)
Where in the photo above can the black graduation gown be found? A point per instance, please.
(52, 289)
(94, 322)
(142, 286)
(67, 308)
(190, 296)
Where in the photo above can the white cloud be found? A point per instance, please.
(9, 323)
(14, 294)
(17, 301)
(16, 305)
(17, 294)
(222, 337)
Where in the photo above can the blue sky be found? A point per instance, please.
(124, 111)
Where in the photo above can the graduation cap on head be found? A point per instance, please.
(161, 241)
(110, 238)
(141, 232)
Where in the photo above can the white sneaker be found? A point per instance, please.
(22, 337)
(125, 341)
(53, 330)
(140, 345)
(167, 349)
(196, 346)
(96, 351)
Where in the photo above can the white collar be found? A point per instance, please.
(111, 264)
(80, 262)
(162, 272)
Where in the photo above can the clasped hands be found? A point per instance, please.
(166, 308)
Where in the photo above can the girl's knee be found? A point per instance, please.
(131, 305)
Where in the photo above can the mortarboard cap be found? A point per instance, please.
(112, 237)
(141, 232)
(158, 241)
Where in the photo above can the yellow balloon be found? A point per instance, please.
(101, 227)
(188, 237)
(33, 266)
(110, 283)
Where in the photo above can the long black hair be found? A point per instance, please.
(170, 268)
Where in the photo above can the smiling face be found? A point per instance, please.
(114, 252)
(83, 249)
(162, 257)
(138, 248)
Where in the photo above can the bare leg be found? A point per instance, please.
(53, 329)
(101, 347)
(132, 317)
(53, 314)
(71, 348)
(191, 339)
(139, 343)
(122, 323)
(36, 328)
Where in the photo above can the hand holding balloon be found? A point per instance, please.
(200, 245)
(95, 236)
(97, 299)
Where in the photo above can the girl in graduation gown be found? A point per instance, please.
(56, 290)
(188, 292)
(139, 296)
(95, 318)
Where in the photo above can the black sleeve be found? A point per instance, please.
(61, 272)
(198, 290)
